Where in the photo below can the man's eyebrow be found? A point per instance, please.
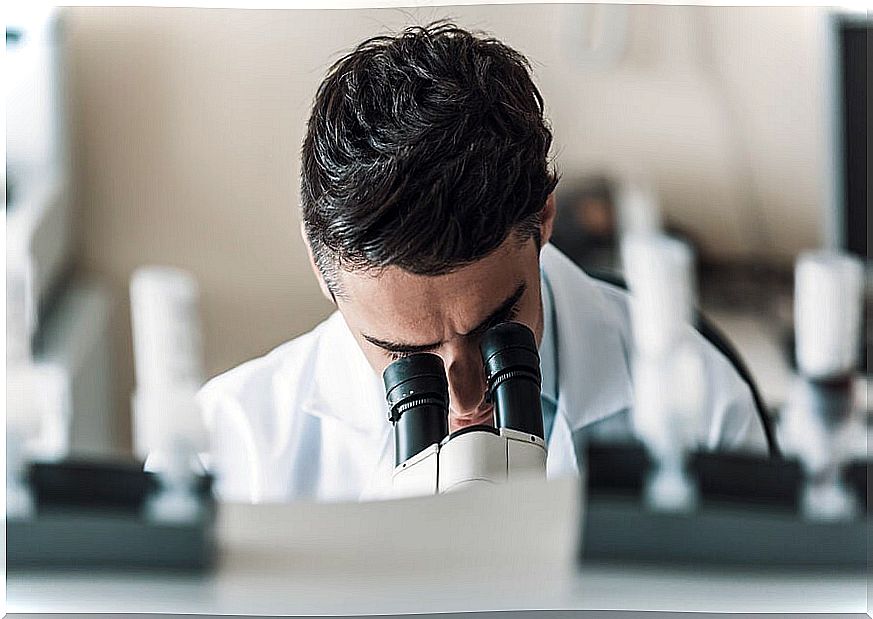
(502, 313)
(399, 347)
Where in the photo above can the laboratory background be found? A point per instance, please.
(708, 156)
(171, 136)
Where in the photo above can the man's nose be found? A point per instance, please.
(466, 382)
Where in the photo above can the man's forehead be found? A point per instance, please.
(397, 289)
(494, 270)
(409, 311)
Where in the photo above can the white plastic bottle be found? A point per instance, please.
(668, 373)
(168, 427)
(818, 422)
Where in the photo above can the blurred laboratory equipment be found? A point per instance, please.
(37, 412)
(807, 510)
(22, 416)
(669, 376)
(821, 418)
(639, 209)
(594, 211)
(586, 226)
(109, 512)
(69, 316)
(169, 371)
(35, 95)
(58, 371)
(846, 223)
(848, 203)
(430, 460)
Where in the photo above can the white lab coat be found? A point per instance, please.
(309, 420)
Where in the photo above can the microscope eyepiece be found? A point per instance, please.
(416, 377)
(512, 371)
(418, 403)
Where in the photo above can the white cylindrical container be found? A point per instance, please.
(638, 209)
(20, 313)
(166, 328)
(668, 376)
(828, 298)
(168, 427)
(658, 270)
(819, 413)
(168, 358)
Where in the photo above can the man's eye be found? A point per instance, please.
(508, 317)
(394, 356)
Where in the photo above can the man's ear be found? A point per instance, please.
(547, 221)
(325, 290)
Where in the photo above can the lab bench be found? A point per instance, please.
(506, 547)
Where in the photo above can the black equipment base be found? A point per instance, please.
(747, 515)
(80, 540)
(90, 515)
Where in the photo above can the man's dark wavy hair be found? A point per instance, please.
(424, 151)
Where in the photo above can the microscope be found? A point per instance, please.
(109, 512)
(660, 499)
(820, 421)
(428, 459)
(669, 377)
(168, 428)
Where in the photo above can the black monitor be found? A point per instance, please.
(851, 34)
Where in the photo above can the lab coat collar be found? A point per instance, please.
(593, 358)
(344, 386)
(548, 346)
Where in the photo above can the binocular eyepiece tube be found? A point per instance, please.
(512, 371)
(417, 390)
(418, 401)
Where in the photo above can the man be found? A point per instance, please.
(427, 210)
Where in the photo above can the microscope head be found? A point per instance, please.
(429, 460)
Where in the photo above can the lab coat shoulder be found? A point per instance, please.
(240, 412)
(282, 425)
(596, 348)
(251, 381)
(731, 421)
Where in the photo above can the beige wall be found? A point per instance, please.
(186, 126)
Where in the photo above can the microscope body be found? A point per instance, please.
(472, 456)
(429, 459)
